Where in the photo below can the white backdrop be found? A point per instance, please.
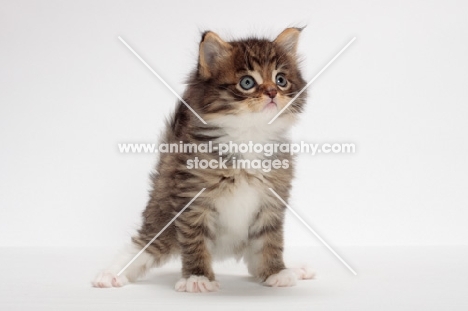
(70, 91)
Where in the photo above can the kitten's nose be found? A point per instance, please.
(271, 91)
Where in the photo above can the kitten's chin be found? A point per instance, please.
(271, 106)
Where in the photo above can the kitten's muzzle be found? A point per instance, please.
(271, 91)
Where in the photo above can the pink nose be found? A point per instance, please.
(271, 92)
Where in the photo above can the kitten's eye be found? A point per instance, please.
(247, 83)
(281, 80)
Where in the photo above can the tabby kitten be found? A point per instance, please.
(237, 88)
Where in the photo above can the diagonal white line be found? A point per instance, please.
(159, 233)
(313, 79)
(313, 231)
(161, 79)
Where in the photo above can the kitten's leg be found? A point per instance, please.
(264, 256)
(193, 228)
(109, 277)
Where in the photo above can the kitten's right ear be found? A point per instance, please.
(212, 50)
(288, 39)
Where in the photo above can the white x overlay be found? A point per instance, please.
(312, 81)
(161, 79)
(159, 233)
(204, 122)
(313, 231)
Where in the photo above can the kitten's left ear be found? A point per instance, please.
(212, 51)
(288, 39)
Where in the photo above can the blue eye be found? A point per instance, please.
(247, 83)
(281, 80)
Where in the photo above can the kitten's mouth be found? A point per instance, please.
(270, 105)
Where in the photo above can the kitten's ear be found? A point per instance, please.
(288, 39)
(212, 50)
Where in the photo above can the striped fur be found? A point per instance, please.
(236, 215)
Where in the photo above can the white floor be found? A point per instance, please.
(389, 278)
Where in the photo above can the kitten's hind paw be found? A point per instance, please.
(196, 284)
(107, 279)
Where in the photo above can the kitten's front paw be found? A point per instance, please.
(284, 278)
(109, 279)
(196, 284)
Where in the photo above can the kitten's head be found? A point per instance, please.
(252, 76)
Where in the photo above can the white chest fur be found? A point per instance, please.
(236, 210)
(238, 206)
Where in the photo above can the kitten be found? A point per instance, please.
(237, 88)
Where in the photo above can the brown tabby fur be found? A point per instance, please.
(213, 92)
